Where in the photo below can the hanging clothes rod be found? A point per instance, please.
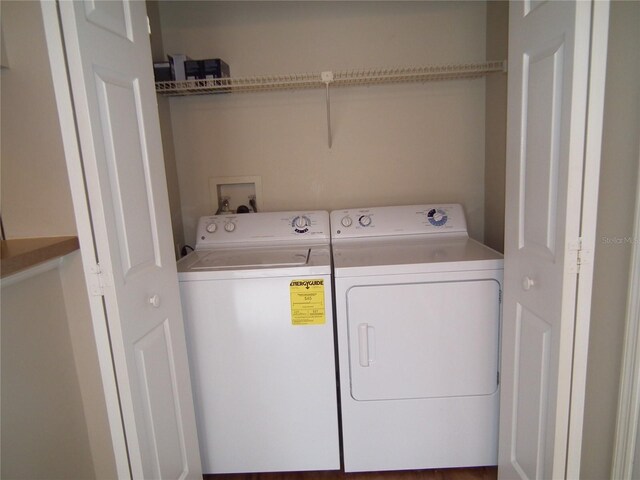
(374, 76)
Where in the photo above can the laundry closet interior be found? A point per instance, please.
(391, 144)
(422, 141)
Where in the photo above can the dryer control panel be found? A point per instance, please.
(262, 228)
(400, 220)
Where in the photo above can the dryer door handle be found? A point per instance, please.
(365, 344)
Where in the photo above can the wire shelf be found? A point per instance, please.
(336, 79)
(327, 79)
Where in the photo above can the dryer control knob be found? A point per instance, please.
(437, 218)
(229, 226)
(365, 220)
(212, 227)
(346, 221)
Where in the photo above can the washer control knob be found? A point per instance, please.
(300, 222)
(346, 221)
(229, 227)
(365, 220)
(212, 227)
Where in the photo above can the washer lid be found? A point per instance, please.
(251, 259)
(255, 262)
(414, 254)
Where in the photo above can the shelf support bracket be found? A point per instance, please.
(327, 78)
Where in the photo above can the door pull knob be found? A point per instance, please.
(527, 283)
(154, 301)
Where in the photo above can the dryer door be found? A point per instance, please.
(424, 340)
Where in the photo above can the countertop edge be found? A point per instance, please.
(23, 253)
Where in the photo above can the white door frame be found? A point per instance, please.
(84, 227)
(590, 189)
(627, 429)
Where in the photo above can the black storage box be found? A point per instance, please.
(162, 71)
(214, 68)
(193, 69)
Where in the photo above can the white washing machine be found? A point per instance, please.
(418, 308)
(256, 295)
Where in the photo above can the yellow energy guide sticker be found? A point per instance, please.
(307, 302)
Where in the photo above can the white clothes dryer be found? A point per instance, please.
(418, 309)
(256, 295)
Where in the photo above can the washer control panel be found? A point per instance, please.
(263, 227)
(401, 220)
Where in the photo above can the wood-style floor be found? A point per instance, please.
(479, 473)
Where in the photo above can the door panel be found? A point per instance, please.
(532, 357)
(542, 101)
(128, 166)
(112, 16)
(423, 340)
(109, 62)
(547, 93)
(530, 5)
(156, 371)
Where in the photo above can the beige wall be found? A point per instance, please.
(392, 145)
(619, 171)
(496, 126)
(164, 114)
(87, 367)
(36, 200)
(44, 432)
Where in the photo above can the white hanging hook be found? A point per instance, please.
(327, 78)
